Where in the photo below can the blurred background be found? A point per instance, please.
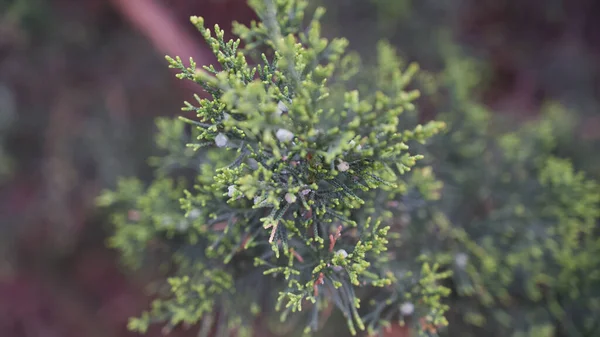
(82, 80)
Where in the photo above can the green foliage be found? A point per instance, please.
(288, 197)
(519, 221)
(523, 244)
(518, 213)
(305, 182)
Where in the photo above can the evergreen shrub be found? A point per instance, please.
(305, 189)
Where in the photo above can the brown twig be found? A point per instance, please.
(296, 255)
(158, 24)
(317, 283)
(333, 239)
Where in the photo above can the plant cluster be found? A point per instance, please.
(304, 187)
(283, 192)
(517, 219)
(526, 220)
(503, 214)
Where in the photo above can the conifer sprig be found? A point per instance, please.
(292, 170)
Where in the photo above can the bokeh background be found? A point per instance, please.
(82, 80)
